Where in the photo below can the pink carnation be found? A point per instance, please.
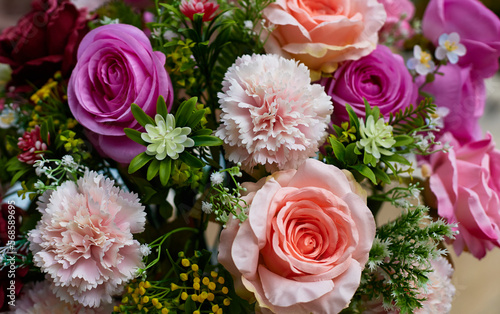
(40, 299)
(191, 7)
(84, 239)
(271, 114)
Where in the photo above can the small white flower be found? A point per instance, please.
(376, 138)
(450, 48)
(8, 118)
(68, 161)
(166, 139)
(206, 207)
(107, 20)
(145, 249)
(217, 178)
(248, 24)
(39, 185)
(421, 62)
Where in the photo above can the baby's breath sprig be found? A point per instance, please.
(223, 201)
(56, 171)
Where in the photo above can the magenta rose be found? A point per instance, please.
(478, 27)
(466, 183)
(381, 78)
(116, 67)
(465, 97)
(305, 242)
(43, 41)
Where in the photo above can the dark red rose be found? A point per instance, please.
(43, 42)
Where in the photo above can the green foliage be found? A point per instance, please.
(412, 119)
(399, 263)
(188, 114)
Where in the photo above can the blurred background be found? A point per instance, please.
(477, 282)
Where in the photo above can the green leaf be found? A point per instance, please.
(195, 118)
(381, 175)
(351, 157)
(353, 118)
(190, 160)
(44, 132)
(141, 116)
(184, 112)
(135, 136)
(161, 107)
(338, 148)
(206, 140)
(338, 130)
(165, 169)
(396, 158)
(153, 169)
(201, 132)
(403, 140)
(138, 162)
(18, 175)
(365, 171)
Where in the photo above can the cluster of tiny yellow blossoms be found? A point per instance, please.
(191, 291)
(47, 90)
(207, 291)
(143, 297)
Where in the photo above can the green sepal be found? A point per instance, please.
(135, 136)
(191, 160)
(353, 118)
(201, 132)
(161, 107)
(184, 112)
(206, 140)
(141, 116)
(165, 170)
(195, 118)
(153, 169)
(138, 162)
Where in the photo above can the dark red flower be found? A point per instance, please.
(43, 42)
(31, 146)
(190, 7)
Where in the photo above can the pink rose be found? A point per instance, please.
(322, 34)
(465, 97)
(305, 242)
(116, 67)
(399, 14)
(381, 78)
(478, 27)
(466, 183)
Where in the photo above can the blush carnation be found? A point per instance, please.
(271, 114)
(84, 239)
(39, 299)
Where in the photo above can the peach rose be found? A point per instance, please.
(323, 33)
(305, 242)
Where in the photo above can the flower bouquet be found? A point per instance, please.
(231, 157)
